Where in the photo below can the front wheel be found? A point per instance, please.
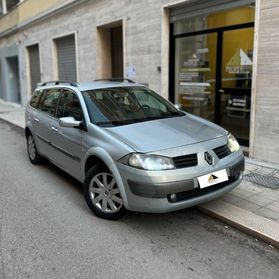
(102, 194)
(33, 154)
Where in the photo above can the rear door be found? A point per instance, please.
(31, 111)
(68, 141)
(43, 122)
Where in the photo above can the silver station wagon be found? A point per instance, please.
(131, 149)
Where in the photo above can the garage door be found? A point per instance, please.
(66, 58)
(34, 62)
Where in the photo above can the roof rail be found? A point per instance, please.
(115, 79)
(57, 82)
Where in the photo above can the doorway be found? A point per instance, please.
(110, 51)
(211, 70)
(13, 88)
(116, 52)
(34, 66)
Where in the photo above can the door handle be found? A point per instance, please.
(54, 129)
(36, 120)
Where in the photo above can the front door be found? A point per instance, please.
(235, 86)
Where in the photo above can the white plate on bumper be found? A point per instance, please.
(213, 178)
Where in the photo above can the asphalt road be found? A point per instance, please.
(47, 231)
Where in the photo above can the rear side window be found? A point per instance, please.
(69, 106)
(50, 101)
(35, 100)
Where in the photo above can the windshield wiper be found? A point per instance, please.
(115, 122)
(172, 114)
(177, 113)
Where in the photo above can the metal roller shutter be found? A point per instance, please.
(34, 62)
(66, 58)
(199, 7)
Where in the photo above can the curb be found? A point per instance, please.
(257, 226)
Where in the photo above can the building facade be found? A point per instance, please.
(216, 59)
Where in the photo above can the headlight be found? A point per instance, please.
(232, 143)
(148, 162)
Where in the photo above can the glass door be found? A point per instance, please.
(213, 76)
(236, 78)
(195, 73)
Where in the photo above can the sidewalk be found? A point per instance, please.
(253, 207)
(12, 113)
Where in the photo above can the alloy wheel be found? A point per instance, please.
(104, 193)
(31, 148)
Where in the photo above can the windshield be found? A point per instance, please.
(126, 105)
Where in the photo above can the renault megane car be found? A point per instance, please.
(131, 149)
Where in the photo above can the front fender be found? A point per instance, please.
(105, 157)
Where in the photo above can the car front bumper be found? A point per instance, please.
(149, 191)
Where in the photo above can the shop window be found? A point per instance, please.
(225, 18)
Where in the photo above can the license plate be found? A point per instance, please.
(213, 178)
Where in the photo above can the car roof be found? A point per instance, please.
(85, 86)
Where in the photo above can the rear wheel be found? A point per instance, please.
(32, 151)
(102, 194)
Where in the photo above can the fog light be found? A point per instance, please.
(173, 197)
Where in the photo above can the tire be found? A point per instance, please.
(33, 155)
(102, 194)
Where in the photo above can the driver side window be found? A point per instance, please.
(69, 106)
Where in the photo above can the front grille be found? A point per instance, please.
(182, 196)
(185, 161)
(222, 151)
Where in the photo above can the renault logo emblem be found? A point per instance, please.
(208, 158)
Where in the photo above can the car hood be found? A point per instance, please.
(166, 133)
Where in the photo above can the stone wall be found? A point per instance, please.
(142, 38)
(265, 106)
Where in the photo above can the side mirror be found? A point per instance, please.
(69, 122)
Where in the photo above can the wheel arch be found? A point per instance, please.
(97, 156)
(92, 161)
(28, 132)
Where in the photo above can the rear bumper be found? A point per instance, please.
(150, 191)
